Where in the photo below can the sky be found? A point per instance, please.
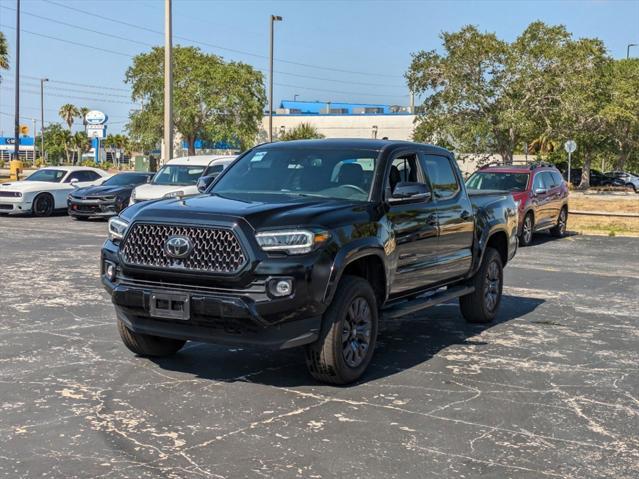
(355, 51)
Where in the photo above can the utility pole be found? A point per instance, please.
(628, 49)
(42, 80)
(34, 140)
(412, 102)
(168, 83)
(16, 151)
(274, 18)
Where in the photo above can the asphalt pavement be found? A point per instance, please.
(551, 389)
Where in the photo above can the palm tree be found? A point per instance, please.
(68, 112)
(83, 116)
(4, 53)
(81, 144)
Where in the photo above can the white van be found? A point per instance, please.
(179, 177)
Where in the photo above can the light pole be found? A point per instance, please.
(168, 83)
(42, 80)
(16, 131)
(274, 18)
(628, 49)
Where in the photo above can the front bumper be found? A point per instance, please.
(88, 208)
(14, 206)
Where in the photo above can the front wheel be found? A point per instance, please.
(481, 305)
(525, 238)
(559, 230)
(147, 345)
(349, 333)
(43, 205)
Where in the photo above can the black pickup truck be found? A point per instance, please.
(309, 243)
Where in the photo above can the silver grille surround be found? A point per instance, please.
(215, 249)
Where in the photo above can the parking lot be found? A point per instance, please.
(550, 389)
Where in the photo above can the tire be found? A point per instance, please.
(527, 230)
(80, 218)
(43, 205)
(559, 230)
(349, 333)
(147, 345)
(634, 188)
(481, 306)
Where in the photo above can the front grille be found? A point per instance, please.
(215, 250)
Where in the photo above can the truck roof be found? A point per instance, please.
(355, 143)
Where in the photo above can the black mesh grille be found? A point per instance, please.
(215, 250)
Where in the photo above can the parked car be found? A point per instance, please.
(597, 178)
(179, 177)
(46, 190)
(107, 199)
(628, 180)
(307, 243)
(540, 192)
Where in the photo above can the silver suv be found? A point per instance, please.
(629, 179)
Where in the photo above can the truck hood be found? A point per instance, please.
(156, 192)
(260, 211)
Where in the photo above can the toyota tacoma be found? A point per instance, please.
(309, 243)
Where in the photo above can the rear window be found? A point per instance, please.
(486, 180)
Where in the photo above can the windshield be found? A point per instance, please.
(54, 176)
(485, 180)
(179, 175)
(315, 172)
(124, 179)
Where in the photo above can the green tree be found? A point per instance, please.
(68, 113)
(82, 114)
(303, 131)
(56, 143)
(212, 99)
(4, 53)
(81, 143)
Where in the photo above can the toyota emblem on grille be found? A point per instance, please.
(178, 246)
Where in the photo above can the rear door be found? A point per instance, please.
(414, 224)
(554, 195)
(455, 216)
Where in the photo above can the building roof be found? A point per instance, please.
(340, 108)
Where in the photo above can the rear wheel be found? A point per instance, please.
(349, 334)
(147, 345)
(559, 230)
(525, 238)
(43, 205)
(481, 305)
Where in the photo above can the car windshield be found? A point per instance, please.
(306, 172)
(485, 180)
(181, 175)
(124, 179)
(54, 176)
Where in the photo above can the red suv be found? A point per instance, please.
(539, 190)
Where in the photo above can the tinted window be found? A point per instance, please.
(80, 176)
(182, 175)
(124, 179)
(441, 174)
(538, 182)
(213, 169)
(405, 169)
(328, 173)
(47, 175)
(486, 180)
(557, 177)
(549, 180)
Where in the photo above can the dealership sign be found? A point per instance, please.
(95, 117)
(96, 131)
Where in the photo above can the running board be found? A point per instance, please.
(417, 304)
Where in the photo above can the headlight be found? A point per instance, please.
(133, 196)
(517, 204)
(117, 228)
(173, 194)
(12, 194)
(291, 241)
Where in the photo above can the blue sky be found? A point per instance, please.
(359, 49)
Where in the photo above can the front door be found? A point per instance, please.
(540, 201)
(455, 216)
(414, 224)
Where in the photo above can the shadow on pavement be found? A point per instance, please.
(402, 344)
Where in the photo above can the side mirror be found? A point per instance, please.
(205, 181)
(540, 191)
(408, 191)
(74, 182)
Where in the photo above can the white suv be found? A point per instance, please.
(179, 177)
(628, 178)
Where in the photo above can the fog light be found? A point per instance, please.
(281, 287)
(110, 271)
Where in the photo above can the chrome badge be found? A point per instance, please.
(178, 246)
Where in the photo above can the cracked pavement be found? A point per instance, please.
(551, 389)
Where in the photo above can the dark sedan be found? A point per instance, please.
(107, 199)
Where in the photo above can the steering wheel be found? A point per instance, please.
(356, 188)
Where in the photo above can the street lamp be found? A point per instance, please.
(274, 18)
(42, 80)
(628, 49)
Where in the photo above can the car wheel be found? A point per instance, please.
(43, 205)
(559, 230)
(482, 305)
(147, 345)
(525, 238)
(634, 188)
(349, 333)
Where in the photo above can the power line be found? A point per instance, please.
(219, 47)
(82, 92)
(100, 87)
(97, 100)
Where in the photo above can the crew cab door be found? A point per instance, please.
(455, 216)
(413, 221)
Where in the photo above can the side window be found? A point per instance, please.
(405, 169)
(90, 176)
(213, 169)
(442, 176)
(557, 177)
(76, 175)
(538, 182)
(549, 180)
